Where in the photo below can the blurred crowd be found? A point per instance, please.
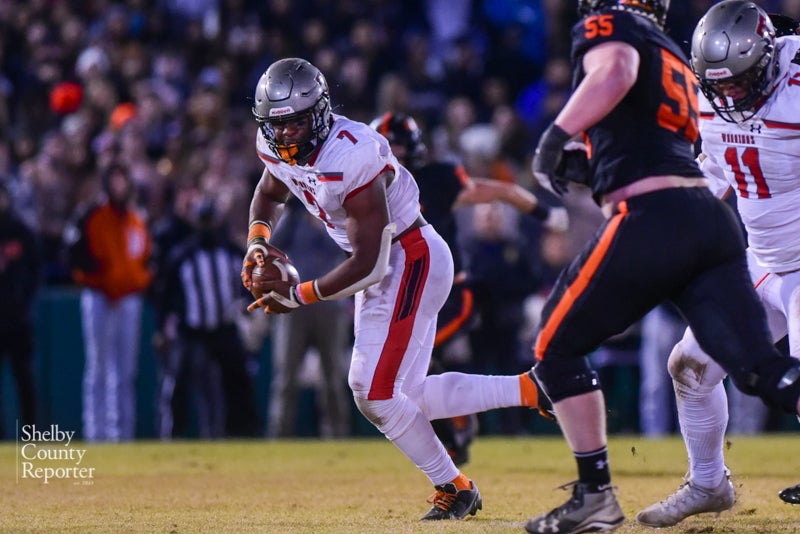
(164, 88)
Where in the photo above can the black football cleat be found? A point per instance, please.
(791, 495)
(451, 503)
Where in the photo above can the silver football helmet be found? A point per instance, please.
(289, 89)
(733, 49)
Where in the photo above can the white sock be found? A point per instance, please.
(454, 394)
(404, 424)
(703, 418)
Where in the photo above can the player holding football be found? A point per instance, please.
(750, 130)
(399, 270)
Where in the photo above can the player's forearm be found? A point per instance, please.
(361, 270)
(521, 198)
(488, 190)
(264, 215)
(266, 206)
(263, 208)
(552, 217)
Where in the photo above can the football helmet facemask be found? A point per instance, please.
(401, 129)
(290, 89)
(733, 56)
(656, 10)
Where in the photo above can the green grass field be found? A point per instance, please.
(366, 486)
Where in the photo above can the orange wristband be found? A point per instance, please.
(258, 229)
(308, 293)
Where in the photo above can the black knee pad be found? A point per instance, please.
(566, 377)
(776, 381)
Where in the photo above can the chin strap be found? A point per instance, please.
(378, 271)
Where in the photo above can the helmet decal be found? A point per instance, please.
(281, 112)
(718, 74)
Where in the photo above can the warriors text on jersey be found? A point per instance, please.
(652, 130)
(759, 158)
(342, 166)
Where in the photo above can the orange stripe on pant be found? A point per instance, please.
(446, 331)
(580, 283)
(412, 284)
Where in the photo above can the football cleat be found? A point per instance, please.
(452, 503)
(585, 511)
(689, 500)
(791, 495)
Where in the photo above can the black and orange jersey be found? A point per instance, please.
(652, 131)
(439, 186)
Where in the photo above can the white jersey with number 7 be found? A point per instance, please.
(351, 157)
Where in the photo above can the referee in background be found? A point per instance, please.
(199, 293)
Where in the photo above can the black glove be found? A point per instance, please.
(547, 158)
(574, 166)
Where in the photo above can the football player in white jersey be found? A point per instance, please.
(398, 268)
(750, 130)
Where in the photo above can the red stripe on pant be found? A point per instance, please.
(406, 305)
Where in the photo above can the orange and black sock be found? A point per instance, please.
(528, 392)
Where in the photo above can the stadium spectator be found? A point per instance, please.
(517, 32)
(20, 273)
(109, 250)
(445, 137)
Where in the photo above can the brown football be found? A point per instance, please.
(273, 268)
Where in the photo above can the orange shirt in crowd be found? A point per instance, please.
(119, 242)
